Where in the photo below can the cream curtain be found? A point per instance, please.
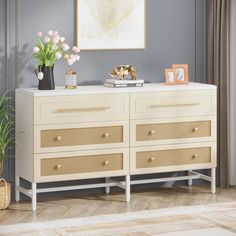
(218, 74)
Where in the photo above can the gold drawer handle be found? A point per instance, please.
(58, 166)
(195, 156)
(89, 109)
(152, 132)
(58, 138)
(152, 159)
(174, 105)
(106, 135)
(195, 130)
(106, 163)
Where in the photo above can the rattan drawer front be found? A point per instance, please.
(175, 157)
(81, 108)
(81, 136)
(147, 132)
(81, 164)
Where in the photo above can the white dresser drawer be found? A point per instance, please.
(172, 104)
(81, 108)
(81, 136)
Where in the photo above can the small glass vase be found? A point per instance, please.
(71, 79)
(47, 82)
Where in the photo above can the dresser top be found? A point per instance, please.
(100, 89)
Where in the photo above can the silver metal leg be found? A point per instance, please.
(17, 192)
(213, 180)
(127, 188)
(190, 181)
(107, 189)
(34, 196)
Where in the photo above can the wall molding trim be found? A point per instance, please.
(13, 14)
(201, 41)
(11, 70)
(232, 88)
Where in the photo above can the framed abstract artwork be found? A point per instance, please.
(110, 24)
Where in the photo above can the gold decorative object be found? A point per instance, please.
(71, 79)
(124, 70)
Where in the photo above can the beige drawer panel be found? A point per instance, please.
(168, 158)
(51, 138)
(173, 157)
(81, 136)
(172, 104)
(147, 132)
(81, 108)
(180, 130)
(81, 165)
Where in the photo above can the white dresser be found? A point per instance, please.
(98, 132)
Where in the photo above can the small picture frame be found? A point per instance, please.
(181, 73)
(170, 77)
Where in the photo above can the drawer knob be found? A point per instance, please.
(152, 159)
(106, 163)
(58, 138)
(152, 132)
(58, 166)
(106, 135)
(195, 156)
(195, 130)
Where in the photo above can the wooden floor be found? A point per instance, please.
(72, 206)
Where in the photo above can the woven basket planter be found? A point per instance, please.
(5, 194)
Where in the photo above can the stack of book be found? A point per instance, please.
(116, 83)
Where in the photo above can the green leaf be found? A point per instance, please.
(6, 125)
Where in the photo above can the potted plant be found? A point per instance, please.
(49, 49)
(6, 139)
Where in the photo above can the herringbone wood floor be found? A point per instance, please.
(52, 208)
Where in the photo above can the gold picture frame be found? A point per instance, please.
(109, 48)
(181, 73)
(170, 78)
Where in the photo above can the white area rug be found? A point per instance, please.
(212, 219)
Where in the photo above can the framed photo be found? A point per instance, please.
(110, 24)
(170, 77)
(181, 73)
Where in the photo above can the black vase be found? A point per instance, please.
(47, 83)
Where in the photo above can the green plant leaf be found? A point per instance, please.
(6, 125)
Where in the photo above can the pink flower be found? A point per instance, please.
(47, 39)
(75, 49)
(65, 47)
(77, 57)
(40, 34)
(73, 58)
(36, 49)
(55, 39)
(66, 56)
(50, 33)
(40, 75)
(55, 33)
(58, 55)
(62, 39)
(70, 62)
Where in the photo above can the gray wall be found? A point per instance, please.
(176, 33)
